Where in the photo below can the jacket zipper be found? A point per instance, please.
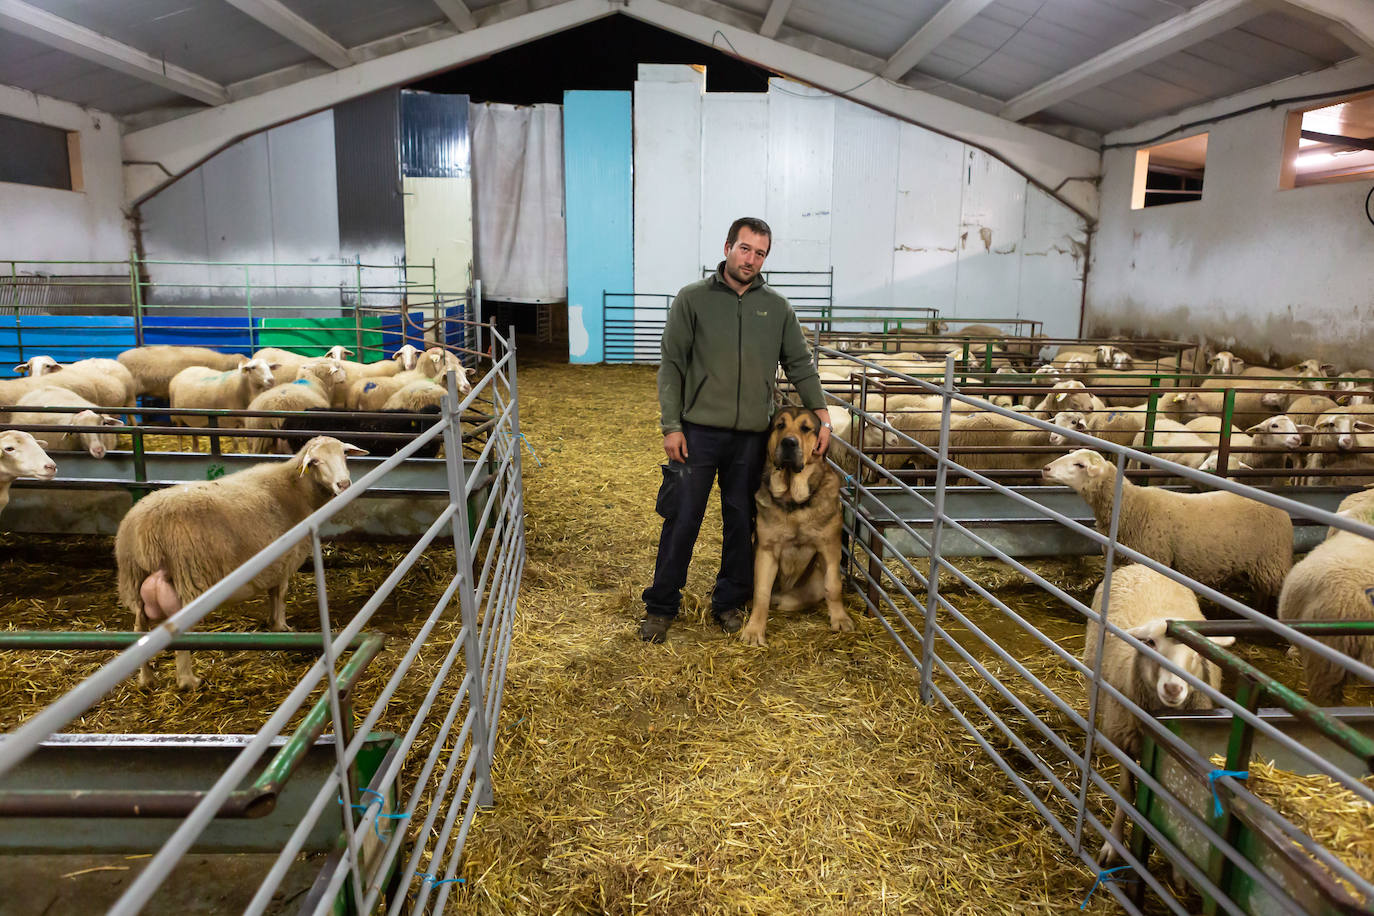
(739, 352)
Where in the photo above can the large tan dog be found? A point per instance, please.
(797, 554)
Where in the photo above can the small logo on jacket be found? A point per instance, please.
(762, 314)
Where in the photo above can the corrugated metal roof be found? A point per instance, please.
(1008, 48)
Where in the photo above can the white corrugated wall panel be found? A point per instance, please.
(667, 161)
(305, 202)
(929, 200)
(991, 227)
(801, 149)
(863, 213)
(734, 167)
(1053, 257)
(238, 215)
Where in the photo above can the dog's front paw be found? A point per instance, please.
(842, 623)
(752, 636)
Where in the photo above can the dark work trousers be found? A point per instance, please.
(735, 457)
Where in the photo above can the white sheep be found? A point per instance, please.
(153, 367)
(202, 388)
(1142, 604)
(1169, 440)
(1108, 356)
(354, 370)
(313, 387)
(417, 396)
(1118, 425)
(1212, 537)
(1066, 395)
(97, 442)
(21, 455)
(37, 366)
(1333, 583)
(1226, 363)
(176, 543)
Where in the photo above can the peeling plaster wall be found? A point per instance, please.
(86, 225)
(1276, 275)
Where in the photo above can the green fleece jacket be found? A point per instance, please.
(721, 352)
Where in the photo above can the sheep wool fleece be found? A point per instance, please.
(721, 352)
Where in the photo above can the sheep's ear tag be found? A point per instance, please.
(305, 465)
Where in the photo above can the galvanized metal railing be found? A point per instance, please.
(967, 664)
(484, 582)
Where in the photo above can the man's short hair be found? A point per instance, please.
(753, 224)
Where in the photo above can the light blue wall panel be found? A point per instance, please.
(597, 154)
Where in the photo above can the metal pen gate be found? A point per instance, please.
(968, 647)
(377, 839)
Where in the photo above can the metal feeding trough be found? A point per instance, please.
(1345, 736)
(87, 803)
(92, 495)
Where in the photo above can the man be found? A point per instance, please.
(722, 344)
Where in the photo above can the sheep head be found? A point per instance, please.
(1069, 419)
(323, 458)
(1172, 690)
(21, 455)
(96, 443)
(37, 366)
(259, 374)
(1077, 468)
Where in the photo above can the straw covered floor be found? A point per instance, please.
(699, 776)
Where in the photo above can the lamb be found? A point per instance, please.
(1332, 583)
(1142, 604)
(176, 543)
(152, 368)
(121, 396)
(202, 388)
(21, 455)
(313, 387)
(1346, 429)
(1211, 537)
(100, 440)
(1108, 356)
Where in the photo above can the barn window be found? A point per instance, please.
(37, 154)
(1334, 142)
(1169, 173)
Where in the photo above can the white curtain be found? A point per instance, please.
(517, 177)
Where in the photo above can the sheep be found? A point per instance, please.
(436, 362)
(1142, 604)
(417, 396)
(313, 387)
(289, 363)
(152, 368)
(1067, 395)
(176, 543)
(1332, 583)
(37, 366)
(1249, 408)
(202, 388)
(1167, 438)
(1071, 361)
(1356, 387)
(1110, 379)
(354, 370)
(1346, 429)
(993, 429)
(1119, 426)
(85, 414)
(1212, 537)
(1226, 363)
(1299, 404)
(21, 455)
(1108, 356)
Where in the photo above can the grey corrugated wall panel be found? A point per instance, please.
(434, 135)
(371, 208)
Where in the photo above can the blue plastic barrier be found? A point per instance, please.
(66, 338)
(228, 333)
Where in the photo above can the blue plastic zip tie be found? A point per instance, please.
(1108, 875)
(1212, 778)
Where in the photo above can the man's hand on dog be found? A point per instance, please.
(675, 446)
(823, 439)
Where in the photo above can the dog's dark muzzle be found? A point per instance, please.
(789, 455)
